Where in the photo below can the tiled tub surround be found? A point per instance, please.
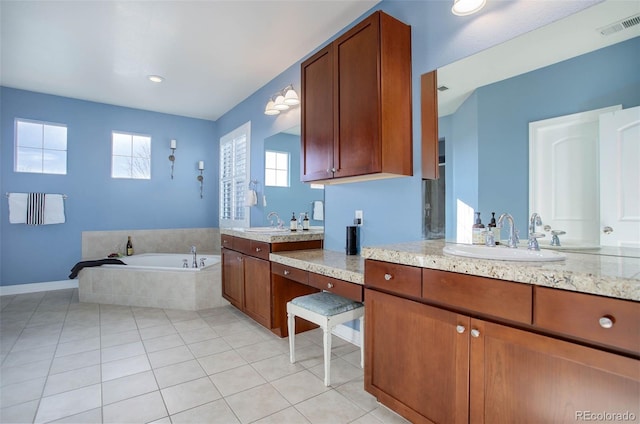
(187, 289)
(612, 276)
(98, 244)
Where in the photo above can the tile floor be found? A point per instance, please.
(70, 362)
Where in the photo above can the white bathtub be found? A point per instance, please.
(155, 280)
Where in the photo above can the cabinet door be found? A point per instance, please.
(317, 116)
(517, 376)
(257, 290)
(356, 64)
(232, 277)
(416, 362)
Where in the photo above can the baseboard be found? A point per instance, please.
(348, 334)
(38, 287)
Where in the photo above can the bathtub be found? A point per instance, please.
(156, 280)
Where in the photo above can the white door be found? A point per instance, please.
(563, 175)
(620, 178)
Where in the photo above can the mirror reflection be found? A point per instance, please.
(566, 68)
(284, 193)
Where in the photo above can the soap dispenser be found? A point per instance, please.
(493, 228)
(478, 231)
(293, 224)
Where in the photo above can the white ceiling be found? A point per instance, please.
(572, 36)
(213, 54)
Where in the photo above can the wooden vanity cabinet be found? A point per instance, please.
(356, 104)
(458, 356)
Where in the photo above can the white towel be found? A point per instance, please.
(54, 209)
(18, 208)
(251, 198)
(35, 209)
(318, 210)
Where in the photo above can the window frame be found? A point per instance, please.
(132, 157)
(42, 149)
(276, 169)
(240, 180)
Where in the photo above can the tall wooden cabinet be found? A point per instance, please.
(356, 104)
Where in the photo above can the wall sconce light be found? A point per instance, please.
(173, 146)
(201, 177)
(282, 100)
(467, 7)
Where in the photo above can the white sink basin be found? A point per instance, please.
(266, 230)
(502, 253)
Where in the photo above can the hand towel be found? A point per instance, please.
(35, 209)
(251, 198)
(18, 208)
(318, 210)
(53, 209)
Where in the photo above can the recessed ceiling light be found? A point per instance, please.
(155, 78)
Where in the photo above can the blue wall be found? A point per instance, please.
(393, 208)
(497, 117)
(95, 200)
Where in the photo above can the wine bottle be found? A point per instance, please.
(129, 246)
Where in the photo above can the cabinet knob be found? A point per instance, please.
(475, 333)
(286, 272)
(460, 329)
(328, 170)
(333, 169)
(388, 277)
(258, 249)
(329, 285)
(606, 321)
(239, 258)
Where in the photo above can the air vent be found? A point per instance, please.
(443, 88)
(620, 25)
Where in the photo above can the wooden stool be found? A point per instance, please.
(326, 310)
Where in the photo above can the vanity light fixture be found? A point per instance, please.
(155, 78)
(282, 100)
(173, 146)
(201, 177)
(467, 7)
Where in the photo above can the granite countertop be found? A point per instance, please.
(605, 275)
(314, 233)
(325, 262)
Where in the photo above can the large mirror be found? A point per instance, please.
(284, 193)
(584, 62)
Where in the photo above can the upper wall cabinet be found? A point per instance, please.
(356, 105)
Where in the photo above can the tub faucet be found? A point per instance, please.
(532, 243)
(513, 233)
(195, 258)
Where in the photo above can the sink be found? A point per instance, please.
(266, 230)
(502, 253)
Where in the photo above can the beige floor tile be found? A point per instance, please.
(14, 394)
(243, 338)
(367, 419)
(257, 403)
(70, 380)
(122, 351)
(277, 367)
(11, 375)
(18, 414)
(124, 367)
(72, 362)
(210, 413)
(68, 403)
(165, 357)
(78, 346)
(388, 416)
(261, 350)
(198, 335)
(73, 332)
(163, 342)
(299, 386)
(140, 409)
(209, 347)
(178, 373)
(219, 362)
(93, 416)
(330, 407)
(187, 395)
(354, 391)
(341, 371)
(237, 379)
(190, 325)
(26, 356)
(127, 387)
(286, 416)
(177, 315)
(118, 339)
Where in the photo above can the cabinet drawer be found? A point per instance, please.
(342, 288)
(242, 245)
(613, 322)
(511, 301)
(226, 241)
(259, 249)
(401, 279)
(290, 273)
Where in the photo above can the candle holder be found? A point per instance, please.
(172, 156)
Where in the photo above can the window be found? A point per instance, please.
(234, 176)
(131, 156)
(41, 147)
(276, 169)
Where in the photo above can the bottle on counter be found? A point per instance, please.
(293, 224)
(493, 228)
(478, 231)
(129, 246)
(305, 222)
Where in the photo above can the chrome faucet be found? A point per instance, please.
(195, 259)
(532, 243)
(513, 233)
(277, 223)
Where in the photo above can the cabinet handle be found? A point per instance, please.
(239, 258)
(328, 170)
(606, 321)
(460, 329)
(258, 249)
(388, 277)
(475, 333)
(333, 169)
(286, 272)
(329, 285)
